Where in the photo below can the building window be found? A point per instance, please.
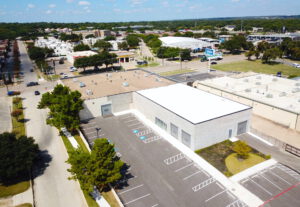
(160, 123)
(174, 130)
(186, 138)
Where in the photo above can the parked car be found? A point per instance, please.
(31, 70)
(72, 69)
(143, 62)
(296, 65)
(61, 61)
(32, 84)
(13, 93)
(36, 93)
(214, 63)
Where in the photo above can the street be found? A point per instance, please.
(51, 184)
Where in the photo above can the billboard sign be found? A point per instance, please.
(209, 52)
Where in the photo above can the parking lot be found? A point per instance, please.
(278, 186)
(158, 174)
(191, 77)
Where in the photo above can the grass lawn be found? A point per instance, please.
(258, 67)
(90, 201)
(110, 198)
(14, 189)
(18, 126)
(151, 64)
(217, 154)
(176, 72)
(234, 165)
(24, 205)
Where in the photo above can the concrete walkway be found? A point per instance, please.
(25, 197)
(5, 118)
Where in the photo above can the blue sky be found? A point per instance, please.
(138, 10)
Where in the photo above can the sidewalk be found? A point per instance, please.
(5, 118)
(25, 197)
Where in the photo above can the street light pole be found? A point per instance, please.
(97, 130)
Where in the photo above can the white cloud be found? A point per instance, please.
(30, 6)
(52, 5)
(49, 11)
(69, 1)
(84, 3)
(136, 2)
(165, 4)
(235, 0)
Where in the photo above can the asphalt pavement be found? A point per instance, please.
(158, 174)
(51, 184)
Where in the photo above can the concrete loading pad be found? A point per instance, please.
(277, 185)
(159, 174)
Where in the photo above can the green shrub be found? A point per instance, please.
(242, 149)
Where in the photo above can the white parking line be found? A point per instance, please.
(183, 167)
(195, 173)
(203, 184)
(94, 127)
(125, 191)
(154, 205)
(137, 199)
(261, 187)
(245, 180)
(131, 125)
(220, 186)
(147, 131)
(123, 118)
(130, 121)
(142, 127)
(270, 181)
(152, 139)
(237, 203)
(215, 195)
(94, 137)
(279, 177)
(90, 133)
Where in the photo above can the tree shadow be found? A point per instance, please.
(41, 164)
(102, 70)
(123, 182)
(38, 169)
(24, 120)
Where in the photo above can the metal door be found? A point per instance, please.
(242, 127)
(106, 110)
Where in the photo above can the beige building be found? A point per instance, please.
(274, 98)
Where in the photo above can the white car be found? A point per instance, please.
(296, 65)
(72, 69)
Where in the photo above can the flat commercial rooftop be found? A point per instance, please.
(192, 104)
(279, 92)
(106, 84)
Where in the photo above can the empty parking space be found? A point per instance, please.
(159, 174)
(277, 186)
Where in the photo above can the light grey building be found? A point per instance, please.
(196, 118)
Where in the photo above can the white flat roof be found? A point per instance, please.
(192, 104)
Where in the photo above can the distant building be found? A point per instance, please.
(273, 38)
(124, 56)
(257, 29)
(230, 27)
(185, 43)
(61, 48)
(224, 38)
(71, 57)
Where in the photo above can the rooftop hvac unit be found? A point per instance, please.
(81, 85)
(246, 80)
(157, 80)
(297, 84)
(75, 79)
(258, 77)
(282, 94)
(125, 84)
(296, 90)
(269, 95)
(248, 90)
(258, 83)
(274, 79)
(89, 92)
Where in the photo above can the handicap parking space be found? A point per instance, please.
(277, 185)
(158, 174)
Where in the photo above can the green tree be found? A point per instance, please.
(36, 53)
(133, 40)
(90, 36)
(100, 168)
(242, 149)
(108, 58)
(256, 53)
(82, 62)
(109, 38)
(249, 54)
(17, 156)
(123, 45)
(81, 47)
(271, 54)
(102, 45)
(64, 106)
(185, 54)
